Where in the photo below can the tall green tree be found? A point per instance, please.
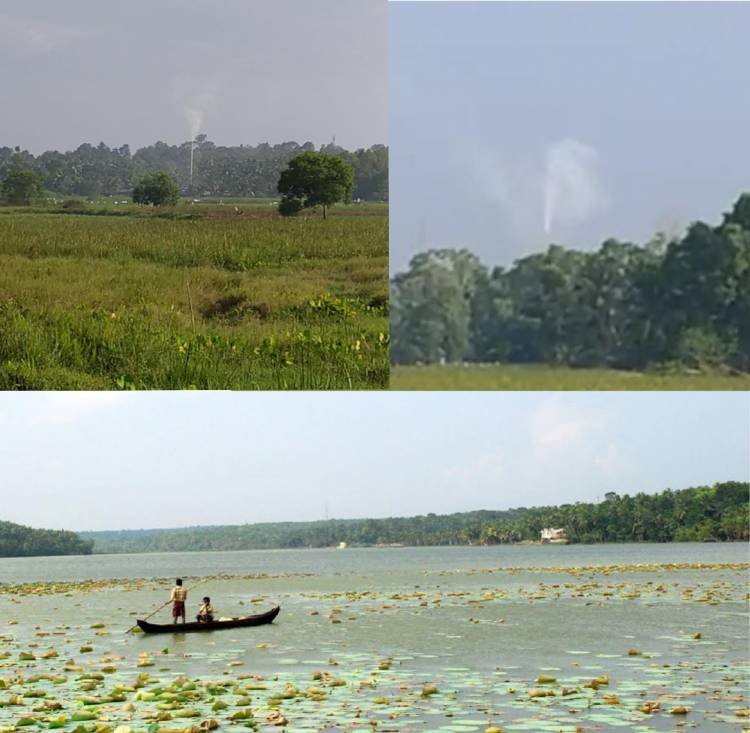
(431, 317)
(314, 179)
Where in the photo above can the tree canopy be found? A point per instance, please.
(157, 189)
(239, 170)
(682, 301)
(20, 186)
(718, 512)
(314, 179)
(17, 540)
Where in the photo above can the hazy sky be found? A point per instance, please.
(106, 460)
(633, 116)
(127, 72)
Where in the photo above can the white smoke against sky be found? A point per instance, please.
(197, 97)
(573, 189)
(195, 110)
(541, 193)
(510, 182)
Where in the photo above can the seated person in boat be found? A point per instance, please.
(179, 596)
(206, 612)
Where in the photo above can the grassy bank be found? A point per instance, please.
(539, 377)
(208, 297)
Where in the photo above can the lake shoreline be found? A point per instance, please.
(381, 547)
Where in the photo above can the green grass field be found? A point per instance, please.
(206, 296)
(539, 377)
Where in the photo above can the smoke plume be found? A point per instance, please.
(573, 190)
(195, 109)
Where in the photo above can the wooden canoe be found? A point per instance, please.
(257, 620)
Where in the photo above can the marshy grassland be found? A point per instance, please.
(540, 377)
(206, 296)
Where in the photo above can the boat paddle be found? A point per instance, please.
(192, 587)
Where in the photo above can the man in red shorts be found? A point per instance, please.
(179, 596)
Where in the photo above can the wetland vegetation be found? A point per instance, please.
(461, 640)
(218, 292)
(208, 296)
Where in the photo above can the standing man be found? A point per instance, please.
(179, 596)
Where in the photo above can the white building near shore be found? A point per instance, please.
(554, 534)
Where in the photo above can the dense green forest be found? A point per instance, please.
(240, 170)
(719, 512)
(672, 303)
(19, 541)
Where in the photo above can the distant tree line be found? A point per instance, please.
(431, 529)
(240, 170)
(681, 302)
(719, 512)
(19, 541)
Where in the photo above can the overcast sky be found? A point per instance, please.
(129, 72)
(108, 461)
(632, 116)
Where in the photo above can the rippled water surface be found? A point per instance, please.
(454, 639)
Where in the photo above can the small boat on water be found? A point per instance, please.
(257, 620)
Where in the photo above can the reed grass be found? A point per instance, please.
(214, 302)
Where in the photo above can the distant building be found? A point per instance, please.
(554, 535)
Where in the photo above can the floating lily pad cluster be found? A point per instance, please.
(125, 584)
(448, 655)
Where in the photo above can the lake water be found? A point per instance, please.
(396, 639)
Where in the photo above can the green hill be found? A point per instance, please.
(19, 541)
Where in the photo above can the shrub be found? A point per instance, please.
(20, 187)
(157, 189)
(290, 206)
(73, 204)
(703, 348)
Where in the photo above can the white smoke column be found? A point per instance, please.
(195, 109)
(572, 187)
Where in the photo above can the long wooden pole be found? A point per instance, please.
(192, 587)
